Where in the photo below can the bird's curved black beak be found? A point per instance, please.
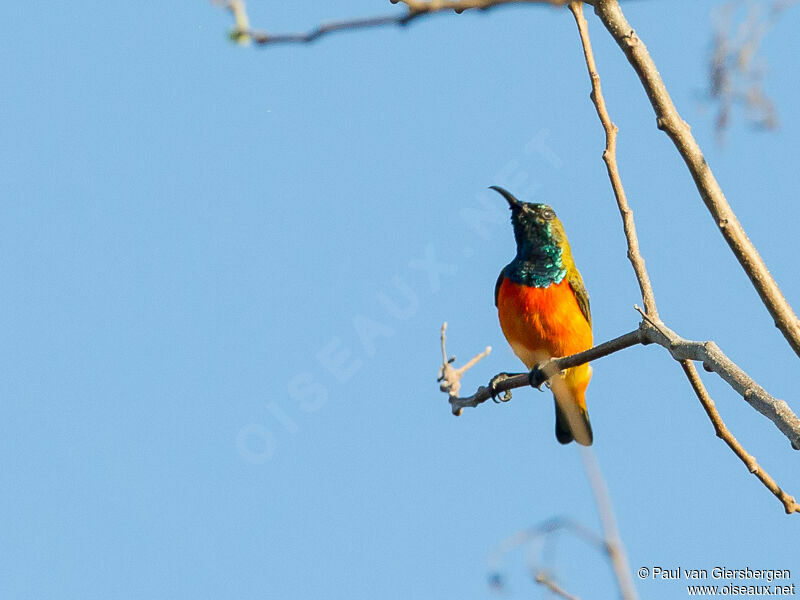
(512, 201)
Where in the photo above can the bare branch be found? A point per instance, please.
(542, 578)
(414, 9)
(735, 74)
(540, 374)
(714, 360)
(789, 503)
(670, 121)
(610, 158)
(649, 331)
(449, 376)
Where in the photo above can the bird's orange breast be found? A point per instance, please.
(541, 323)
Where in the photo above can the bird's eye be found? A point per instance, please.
(548, 214)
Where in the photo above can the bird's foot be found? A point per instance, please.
(537, 378)
(505, 396)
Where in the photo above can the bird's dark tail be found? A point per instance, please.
(564, 431)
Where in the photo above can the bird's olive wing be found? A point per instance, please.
(576, 283)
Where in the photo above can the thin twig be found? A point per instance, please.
(414, 10)
(542, 531)
(610, 159)
(670, 121)
(542, 578)
(789, 503)
(262, 38)
(449, 376)
(239, 13)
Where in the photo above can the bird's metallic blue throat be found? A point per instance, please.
(538, 262)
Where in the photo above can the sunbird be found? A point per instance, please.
(544, 311)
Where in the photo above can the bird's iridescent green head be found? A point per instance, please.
(535, 225)
(543, 254)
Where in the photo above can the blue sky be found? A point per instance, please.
(221, 338)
